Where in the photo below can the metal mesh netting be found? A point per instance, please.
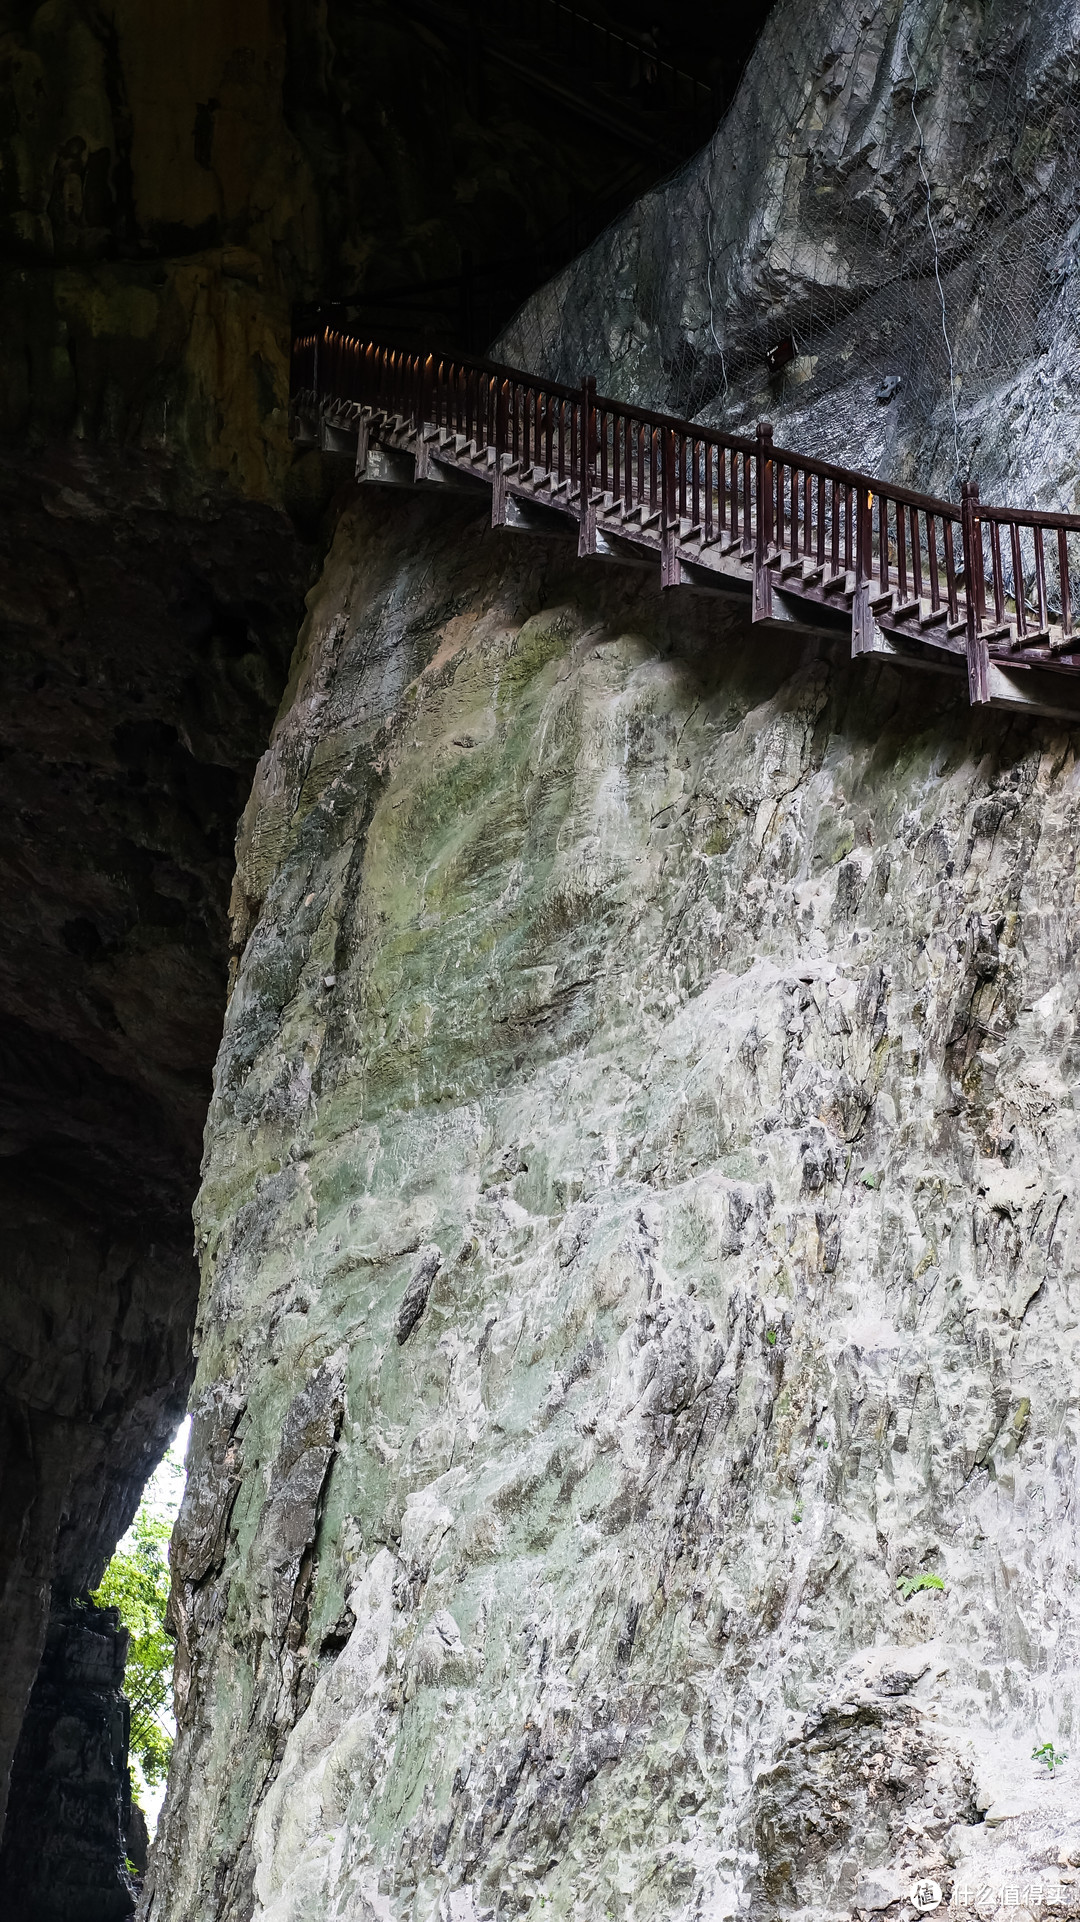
(878, 248)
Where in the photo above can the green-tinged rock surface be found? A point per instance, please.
(637, 1230)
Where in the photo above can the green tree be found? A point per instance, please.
(137, 1583)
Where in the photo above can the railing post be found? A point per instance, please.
(763, 521)
(667, 447)
(862, 619)
(423, 391)
(498, 476)
(669, 519)
(978, 653)
(864, 539)
(587, 463)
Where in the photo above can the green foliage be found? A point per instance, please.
(770, 1336)
(1046, 1752)
(869, 1179)
(910, 1585)
(137, 1583)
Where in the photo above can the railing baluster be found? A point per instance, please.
(1018, 578)
(950, 567)
(901, 550)
(932, 563)
(883, 542)
(864, 536)
(998, 573)
(1063, 576)
(916, 556)
(834, 555)
(698, 449)
(654, 464)
(500, 423)
(668, 453)
(747, 513)
(1040, 578)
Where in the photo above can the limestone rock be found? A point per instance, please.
(707, 1002)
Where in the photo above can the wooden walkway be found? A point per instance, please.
(982, 593)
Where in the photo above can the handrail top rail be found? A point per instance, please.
(1029, 517)
(737, 443)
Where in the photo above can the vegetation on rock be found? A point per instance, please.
(136, 1583)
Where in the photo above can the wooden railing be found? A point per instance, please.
(964, 576)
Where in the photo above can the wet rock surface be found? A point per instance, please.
(637, 1230)
(877, 250)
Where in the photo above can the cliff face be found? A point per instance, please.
(890, 202)
(171, 181)
(637, 1231)
(78, 1836)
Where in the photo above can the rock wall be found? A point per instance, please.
(148, 624)
(638, 1231)
(890, 202)
(73, 1752)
